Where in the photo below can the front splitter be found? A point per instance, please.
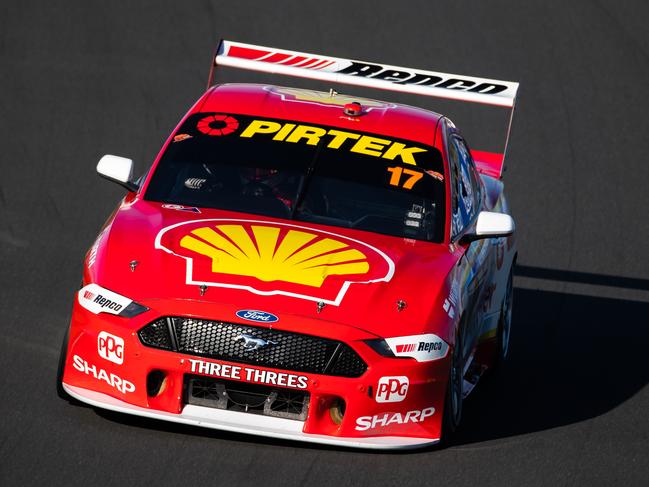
(237, 422)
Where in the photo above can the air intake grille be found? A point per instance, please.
(156, 335)
(246, 398)
(234, 342)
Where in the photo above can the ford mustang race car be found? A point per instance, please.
(300, 264)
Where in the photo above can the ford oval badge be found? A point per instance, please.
(258, 316)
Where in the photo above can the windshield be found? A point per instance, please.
(287, 169)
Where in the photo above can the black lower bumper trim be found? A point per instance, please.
(246, 397)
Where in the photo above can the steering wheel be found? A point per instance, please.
(258, 190)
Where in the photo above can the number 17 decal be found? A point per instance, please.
(398, 171)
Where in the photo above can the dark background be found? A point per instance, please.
(81, 79)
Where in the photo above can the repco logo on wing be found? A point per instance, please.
(368, 70)
(376, 71)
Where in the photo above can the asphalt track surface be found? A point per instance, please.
(81, 79)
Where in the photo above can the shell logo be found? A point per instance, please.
(274, 258)
(297, 258)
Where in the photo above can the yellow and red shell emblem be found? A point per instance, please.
(274, 258)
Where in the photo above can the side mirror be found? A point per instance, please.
(490, 225)
(117, 169)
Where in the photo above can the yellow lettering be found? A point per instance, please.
(365, 144)
(406, 153)
(371, 146)
(340, 137)
(260, 127)
(281, 135)
(311, 134)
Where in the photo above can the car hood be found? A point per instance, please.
(155, 253)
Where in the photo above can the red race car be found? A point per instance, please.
(302, 265)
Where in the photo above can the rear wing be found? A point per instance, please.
(372, 75)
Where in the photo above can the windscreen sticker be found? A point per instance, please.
(415, 216)
(334, 139)
(385, 148)
(217, 125)
(436, 175)
(403, 177)
(274, 258)
(181, 137)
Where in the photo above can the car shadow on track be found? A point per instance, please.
(573, 358)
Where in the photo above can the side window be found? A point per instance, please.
(468, 167)
(465, 189)
(456, 190)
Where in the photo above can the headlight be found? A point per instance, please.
(381, 347)
(423, 348)
(97, 299)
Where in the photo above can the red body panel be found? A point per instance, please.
(370, 307)
(488, 163)
(378, 117)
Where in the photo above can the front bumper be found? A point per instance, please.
(101, 382)
(284, 429)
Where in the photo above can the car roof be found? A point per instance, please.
(309, 106)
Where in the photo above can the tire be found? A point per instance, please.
(59, 371)
(454, 398)
(505, 324)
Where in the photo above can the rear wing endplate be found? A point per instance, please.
(372, 75)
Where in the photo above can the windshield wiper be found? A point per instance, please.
(304, 182)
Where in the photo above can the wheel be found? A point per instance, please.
(505, 323)
(59, 371)
(454, 396)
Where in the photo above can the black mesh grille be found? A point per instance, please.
(156, 335)
(226, 341)
(345, 361)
